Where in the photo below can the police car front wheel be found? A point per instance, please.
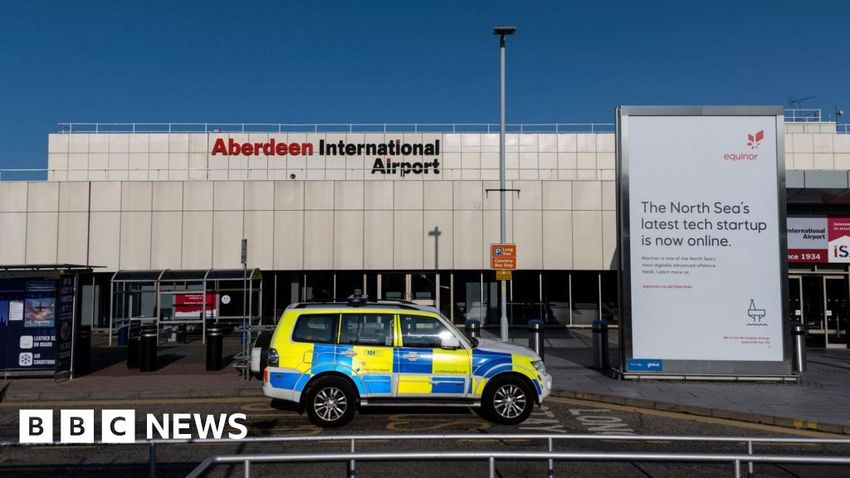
(330, 402)
(507, 401)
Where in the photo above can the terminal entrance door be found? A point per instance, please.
(821, 303)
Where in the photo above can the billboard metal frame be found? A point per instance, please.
(699, 369)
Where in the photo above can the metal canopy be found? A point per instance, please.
(196, 275)
(127, 285)
(137, 276)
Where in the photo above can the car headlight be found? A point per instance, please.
(273, 357)
(540, 366)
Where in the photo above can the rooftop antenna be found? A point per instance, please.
(796, 103)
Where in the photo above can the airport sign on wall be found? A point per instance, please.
(503, 257)
(702, 241)
(818, 240)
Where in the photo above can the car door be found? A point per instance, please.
(424, 368)
(365, 347)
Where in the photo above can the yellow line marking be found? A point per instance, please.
(139, 401)
(698, 418)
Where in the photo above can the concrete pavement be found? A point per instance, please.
(821, 401)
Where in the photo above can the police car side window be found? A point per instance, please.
(419, 331)
(366, 329)
(315, 328)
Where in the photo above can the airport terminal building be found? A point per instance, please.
(399, 211)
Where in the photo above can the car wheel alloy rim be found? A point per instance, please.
(330, 404)
(509, 401)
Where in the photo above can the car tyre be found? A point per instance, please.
(330, 402)
(507, 401)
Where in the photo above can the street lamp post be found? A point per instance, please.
(502, 32)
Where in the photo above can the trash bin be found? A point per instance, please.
(123, 335)
(147, 348)
(133, 348)
(215, 348)
(82, 352)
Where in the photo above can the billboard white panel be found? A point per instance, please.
(704, 239)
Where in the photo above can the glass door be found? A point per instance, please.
(795, 298)
(812, 309)
(835, 310)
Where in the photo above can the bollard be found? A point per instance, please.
(600, 345)
(181, 334)
(798, 333)
(535, 337)
(147, 348)
(472, 328)
(215, 339)
(82, 352)
(133, 341)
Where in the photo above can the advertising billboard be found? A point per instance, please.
(28, 314)
(191, 305)
(702, 238)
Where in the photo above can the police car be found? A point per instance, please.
(331, 358)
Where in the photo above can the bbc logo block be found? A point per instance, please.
(35, 426)
(77, 426)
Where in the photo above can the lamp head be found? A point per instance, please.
(504, 31)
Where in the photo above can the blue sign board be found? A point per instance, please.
(644, 365)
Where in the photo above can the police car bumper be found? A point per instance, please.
(545, 386)
(271, 391)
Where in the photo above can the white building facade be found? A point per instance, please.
(401, 215)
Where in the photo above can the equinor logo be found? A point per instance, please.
(754, 139)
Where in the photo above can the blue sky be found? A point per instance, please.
(395, 61)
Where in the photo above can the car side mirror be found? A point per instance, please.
(449, 342)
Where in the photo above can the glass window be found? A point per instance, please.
(524, 303)
(366, 329)
(610, 304)
(418, 331)
(392, 286)
(315, 328)
(556, 297)
(585, 297)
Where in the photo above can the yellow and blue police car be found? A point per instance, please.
(333, 357)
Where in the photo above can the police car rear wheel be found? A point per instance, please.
(330, 402)
(507, 401)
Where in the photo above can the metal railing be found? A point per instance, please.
(593, 127)
(804, 115)
(747, 456)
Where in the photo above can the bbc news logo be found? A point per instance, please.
(119, 426)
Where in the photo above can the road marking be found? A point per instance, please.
(543, 420)
(596, 420)
(424, 422)
(697, 418)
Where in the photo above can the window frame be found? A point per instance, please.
(464, 345)
(394, 319)
(334, 335)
